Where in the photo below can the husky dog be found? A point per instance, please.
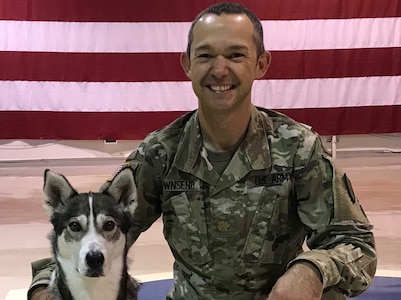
(89, 238)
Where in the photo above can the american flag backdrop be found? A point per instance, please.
(102, 69)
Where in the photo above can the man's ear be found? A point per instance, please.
(263, 64)
(186, 64)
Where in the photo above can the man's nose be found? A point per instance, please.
(219, 66)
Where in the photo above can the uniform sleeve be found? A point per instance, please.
(41, 273)
(146, 164)
(339, 233)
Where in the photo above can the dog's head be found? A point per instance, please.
(90, 229)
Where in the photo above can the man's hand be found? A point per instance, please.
(41, 293)
(301, 282)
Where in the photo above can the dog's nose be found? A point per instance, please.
(94, 259)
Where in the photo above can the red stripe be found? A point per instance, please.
(336, 63)
(144, 67)
(135, 126)
(93, 67)
(81, 125)
(184, 10)
(350, 120)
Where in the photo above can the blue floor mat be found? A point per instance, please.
(382, 288)
(155, 290)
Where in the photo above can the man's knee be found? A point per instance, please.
(40, 293)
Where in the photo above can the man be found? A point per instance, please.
(240, 188)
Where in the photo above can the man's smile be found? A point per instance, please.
(220, 88)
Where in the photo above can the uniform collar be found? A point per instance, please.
(255, 144)
(190, 145)
(254, 149)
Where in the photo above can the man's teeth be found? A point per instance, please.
(220, 88)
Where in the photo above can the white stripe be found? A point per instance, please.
(328, 92)
(92, 37)
(172, 36)
(91, 223)
(332, 34)
(178, 96)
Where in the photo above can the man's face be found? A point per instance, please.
(223, 62)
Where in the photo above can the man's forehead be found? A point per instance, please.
(229, 47)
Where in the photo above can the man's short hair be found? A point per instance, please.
(230, 8)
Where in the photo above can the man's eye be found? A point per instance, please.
(204, 55)
(109, 226)
(75, 226)
(236, 55)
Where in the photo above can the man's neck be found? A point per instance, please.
(224, 132)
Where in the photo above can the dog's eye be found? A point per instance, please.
(109, 226)
(75, 226)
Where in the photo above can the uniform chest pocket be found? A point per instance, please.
(268, 235)
(182, 231)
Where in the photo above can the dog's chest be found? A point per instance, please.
(99, 289)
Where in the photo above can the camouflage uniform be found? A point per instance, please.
(233, 235)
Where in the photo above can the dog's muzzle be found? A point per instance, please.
(94, 261)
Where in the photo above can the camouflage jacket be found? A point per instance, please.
(233, 235)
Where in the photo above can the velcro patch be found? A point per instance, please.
(350, 190)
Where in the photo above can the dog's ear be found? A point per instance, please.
(122, 188)
(56, 190)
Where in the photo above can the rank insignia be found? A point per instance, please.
(222, 226)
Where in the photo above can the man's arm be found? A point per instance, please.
(340, 235)
(302, 281)
(146, 162)
(41, 273)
